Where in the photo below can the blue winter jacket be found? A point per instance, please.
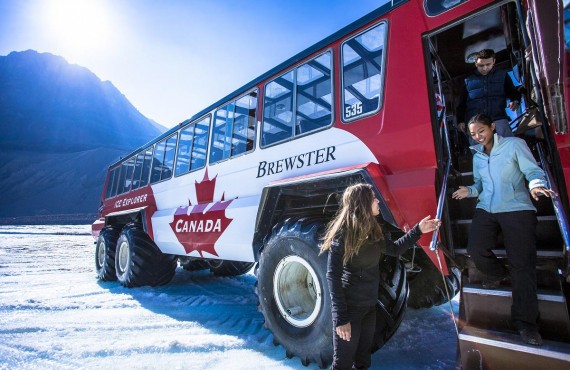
(499, 178)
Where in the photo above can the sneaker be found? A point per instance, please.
(531, 336)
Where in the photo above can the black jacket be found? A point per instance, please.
(356, 283)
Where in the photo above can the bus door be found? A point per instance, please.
(451, 53)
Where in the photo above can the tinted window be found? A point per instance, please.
(157, 161)
(168, 162)
(244, 124)
(146, 166)
(138, 170)
(200, 147)
(435, 7)
(192, 147)
(111, 183)
(362, 73)
(298, 102)
(122, 178)
(278, 109)
(233, 130)
(117, 180)
(163, 159)
(314, 95)
(222, 133)
(184, 150)
(130, 166)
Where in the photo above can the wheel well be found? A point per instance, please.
(123, 219)
(317, 197)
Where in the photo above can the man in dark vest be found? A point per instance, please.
(486, 91)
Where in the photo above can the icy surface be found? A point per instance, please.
(54, 314)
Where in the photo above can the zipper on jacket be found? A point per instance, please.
(492, 184)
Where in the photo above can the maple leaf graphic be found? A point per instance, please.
(196, 228)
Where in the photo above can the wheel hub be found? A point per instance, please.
(123, 256)
(297, 291)
(101, 254)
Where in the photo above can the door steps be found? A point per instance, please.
(491, 309)
(487, 338)
(499, 350)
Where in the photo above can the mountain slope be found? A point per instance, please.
(49, 104)
(61, 127)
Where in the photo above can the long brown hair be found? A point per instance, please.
(354, 221)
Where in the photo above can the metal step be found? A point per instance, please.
(491, 309)
(541, 252)
(497, 350)
(539, 218)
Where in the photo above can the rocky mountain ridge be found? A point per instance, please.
(61, 127)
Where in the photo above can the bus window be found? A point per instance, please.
(184, 150)
(435, 7)
(146, 167)
(200, 148)
(163, 160)
(192, 147)
(157, 161)
(234, 128)
(137, 173)
(168, 162)
(130, 165)
(278, 109)
(314, 95)
(222, 133)
(309, 89)
(122, 178)
(244, 124)
(118, 171)
(362, 73)
(110, 183)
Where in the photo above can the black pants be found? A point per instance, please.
(356, 353)
(519, 234)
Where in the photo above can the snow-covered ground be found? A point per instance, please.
(54, 314)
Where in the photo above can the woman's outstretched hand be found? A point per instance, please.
(427, 225)
(460, 193)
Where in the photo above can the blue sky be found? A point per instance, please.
(172, 58)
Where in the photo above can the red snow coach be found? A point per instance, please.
(253, 178)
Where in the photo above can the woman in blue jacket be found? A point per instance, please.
(356, 244)
(500, 167)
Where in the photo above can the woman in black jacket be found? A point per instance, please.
(356, 244)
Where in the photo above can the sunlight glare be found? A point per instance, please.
(79, 25)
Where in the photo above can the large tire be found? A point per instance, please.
(139, 262)
(105, 253)
(427, 287)
(293, 293)
(229, 268)
(294, 297)
(392, 300)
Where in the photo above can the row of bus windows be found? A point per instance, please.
(297, 102)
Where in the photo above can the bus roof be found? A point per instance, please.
(384, 9)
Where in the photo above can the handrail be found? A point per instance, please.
(558, 209)
(442, 123)
(442, 194)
